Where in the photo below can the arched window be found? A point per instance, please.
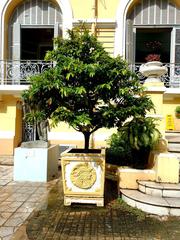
(33, 25)
(152, 30)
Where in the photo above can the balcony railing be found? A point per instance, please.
(18, 72)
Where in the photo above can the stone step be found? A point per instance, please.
(151, 204)
(159, 189)
(174, 147)
(173, 136)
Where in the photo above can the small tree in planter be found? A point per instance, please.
(89, 90)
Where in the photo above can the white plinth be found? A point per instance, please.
(36, 164)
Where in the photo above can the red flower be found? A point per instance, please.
(153, 57)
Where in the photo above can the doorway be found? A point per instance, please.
(153, 44)
(35, 42)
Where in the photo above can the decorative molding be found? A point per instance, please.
(83, 176)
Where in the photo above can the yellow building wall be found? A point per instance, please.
(106, 15)
(7, 125)
(106, 35)
(63, 134)
(107, 9)
(84, 9)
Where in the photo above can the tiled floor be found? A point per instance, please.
(18, 200)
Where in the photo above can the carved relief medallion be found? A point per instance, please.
(83, 176)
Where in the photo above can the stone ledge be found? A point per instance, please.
(35, 144)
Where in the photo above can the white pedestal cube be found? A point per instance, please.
(36, 164)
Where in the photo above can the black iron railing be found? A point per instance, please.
(18, 72)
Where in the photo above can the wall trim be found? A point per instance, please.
(119, 44)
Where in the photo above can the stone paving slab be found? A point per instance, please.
(7, 160)
(18, 200)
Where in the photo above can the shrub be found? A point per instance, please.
(133, 142)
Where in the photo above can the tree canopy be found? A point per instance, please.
(87, 88)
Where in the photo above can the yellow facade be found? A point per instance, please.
(85, 10)
(7, 125)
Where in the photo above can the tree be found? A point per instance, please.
(86, 88)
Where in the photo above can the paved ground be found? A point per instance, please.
(35, 211)
(18, 200)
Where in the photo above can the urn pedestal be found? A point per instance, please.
(36, 164)
(83, 176)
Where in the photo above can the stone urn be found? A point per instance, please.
(153, 71)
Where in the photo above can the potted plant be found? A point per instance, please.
(176, 119)
(153, 57)
(153, 48)
(129, 149)
(177, 112)
(89, 90)
(133, 141)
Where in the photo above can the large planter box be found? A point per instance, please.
(83, 176)
(36, 164)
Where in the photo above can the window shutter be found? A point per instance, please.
(16, 48)
(130, 46)
(177, 46)
(57, 30)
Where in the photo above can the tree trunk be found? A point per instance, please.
(86, 139)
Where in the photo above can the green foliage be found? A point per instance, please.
(133, 141)
(34, 116)
(177, 111)
(141, 132)
(119, 152)
(86, 88)
(140, 215)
